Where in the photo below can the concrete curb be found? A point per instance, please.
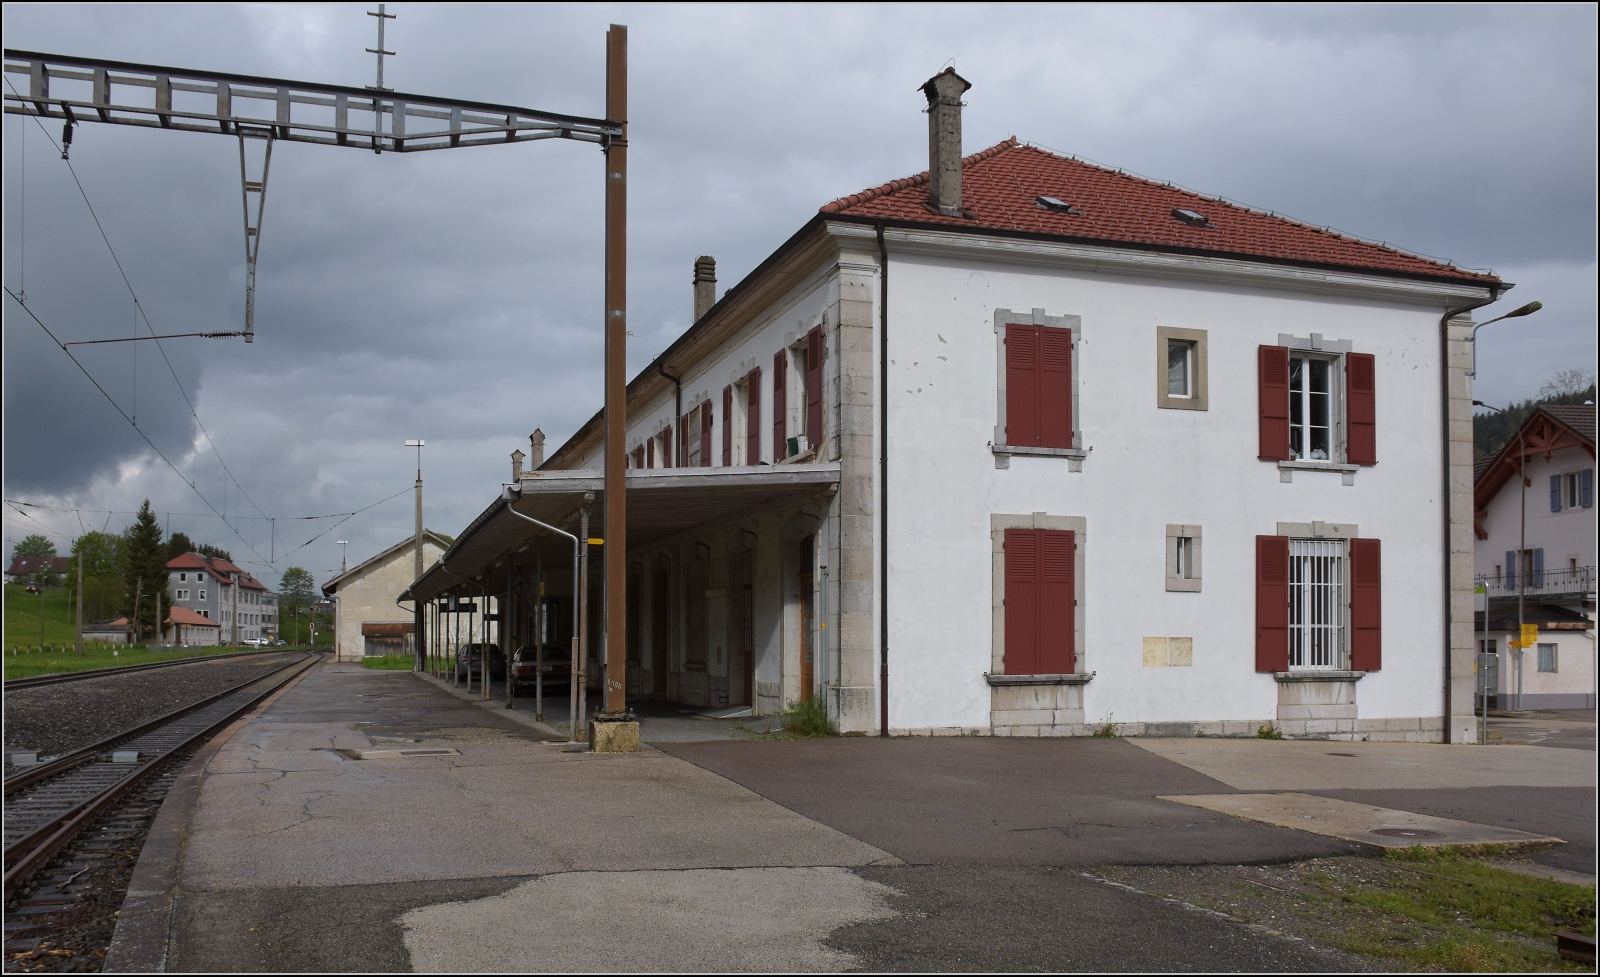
(144, 923)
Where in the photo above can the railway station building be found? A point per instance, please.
(1023, 445)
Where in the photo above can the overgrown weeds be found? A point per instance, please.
(1267, 731)
(807, 718)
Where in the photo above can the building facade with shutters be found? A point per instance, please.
(218, 590)
(1536, 563)
(1064, 448)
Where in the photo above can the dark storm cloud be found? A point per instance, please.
(455, 296)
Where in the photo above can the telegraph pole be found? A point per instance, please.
(616, 247)
(77, 638)
(419, 642)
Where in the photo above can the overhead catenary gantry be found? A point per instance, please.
(75, 90)
(250, 107)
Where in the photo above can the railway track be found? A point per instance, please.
(49, 806)
(58, 678)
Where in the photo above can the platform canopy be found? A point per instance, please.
(662, 503)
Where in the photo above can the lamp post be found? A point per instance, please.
(1521, 570)
(419, 642)
(1528, 309)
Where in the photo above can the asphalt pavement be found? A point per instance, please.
(375, 821)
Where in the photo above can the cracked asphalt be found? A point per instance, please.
(511, 853)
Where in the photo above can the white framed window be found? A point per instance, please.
(1183, 558)
(1181, 368)
(739, 421)
(205, 614)
(183, 578)
(182, 595)
(202, 595)
(1547, 658)
(1313, 410)
(1316, 604)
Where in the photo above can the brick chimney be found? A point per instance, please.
(536, 445)
(944, 92)
(516, 465)
(705, 285)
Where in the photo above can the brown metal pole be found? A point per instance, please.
(616, 546)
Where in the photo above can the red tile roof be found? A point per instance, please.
(188, 618)
(1001, 184)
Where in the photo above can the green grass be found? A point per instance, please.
(29, 664)
(392, 663)
(23, 615)
(1267, 731)
(1445, 909)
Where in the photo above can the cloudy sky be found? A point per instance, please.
(455, 296)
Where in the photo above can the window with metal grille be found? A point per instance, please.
(1316, 603)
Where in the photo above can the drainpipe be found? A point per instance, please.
(1444, 423)
(576, 579)
(483, 657)
(883, 483)
(677, 412)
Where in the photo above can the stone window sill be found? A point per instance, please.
(1318, 676)
(694, 666)
(1073, 678)
(1003, 453)
(1347, 473)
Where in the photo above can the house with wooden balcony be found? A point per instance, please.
(1535, 563)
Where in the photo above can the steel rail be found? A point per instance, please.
(57, 678)
(29, 852)
(67, 761)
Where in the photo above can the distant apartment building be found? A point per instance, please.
(220, 591)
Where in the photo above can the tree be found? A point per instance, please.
(296, 591)
(103, 588)
(180, 544)
(144, 569)
(215, 552)
(1567, 383)
(34, 545)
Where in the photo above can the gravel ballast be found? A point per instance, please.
(54, 719)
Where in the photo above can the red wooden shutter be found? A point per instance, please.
(814, 386)
(1361, 407)
(1022, 602)
(1022, 385)
(666, 447)
(683, 441)
(1272, 603)
(638, 457)
(752, 420)
(780, 377)
(1366, 605)
(1056, 602)
(1272, 383)
(705, 435)
(650, 453)
(727, 425)
(1055, 388)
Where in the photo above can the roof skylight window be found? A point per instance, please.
(1056, 204)
(1190, 217)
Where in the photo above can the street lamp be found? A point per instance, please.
(419, 647)
(342, 544)
(1522, 570)
(1528, 309)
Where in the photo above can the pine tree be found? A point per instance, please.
(145, 573)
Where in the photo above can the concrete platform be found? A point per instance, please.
(1313, 765)
(1362, 823)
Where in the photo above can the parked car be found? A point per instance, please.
(254, 643)
(525, 667)
(469, 661)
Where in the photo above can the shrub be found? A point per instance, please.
(808, 717)
(1267, 731)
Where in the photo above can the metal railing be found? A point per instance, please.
(1567, 582)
